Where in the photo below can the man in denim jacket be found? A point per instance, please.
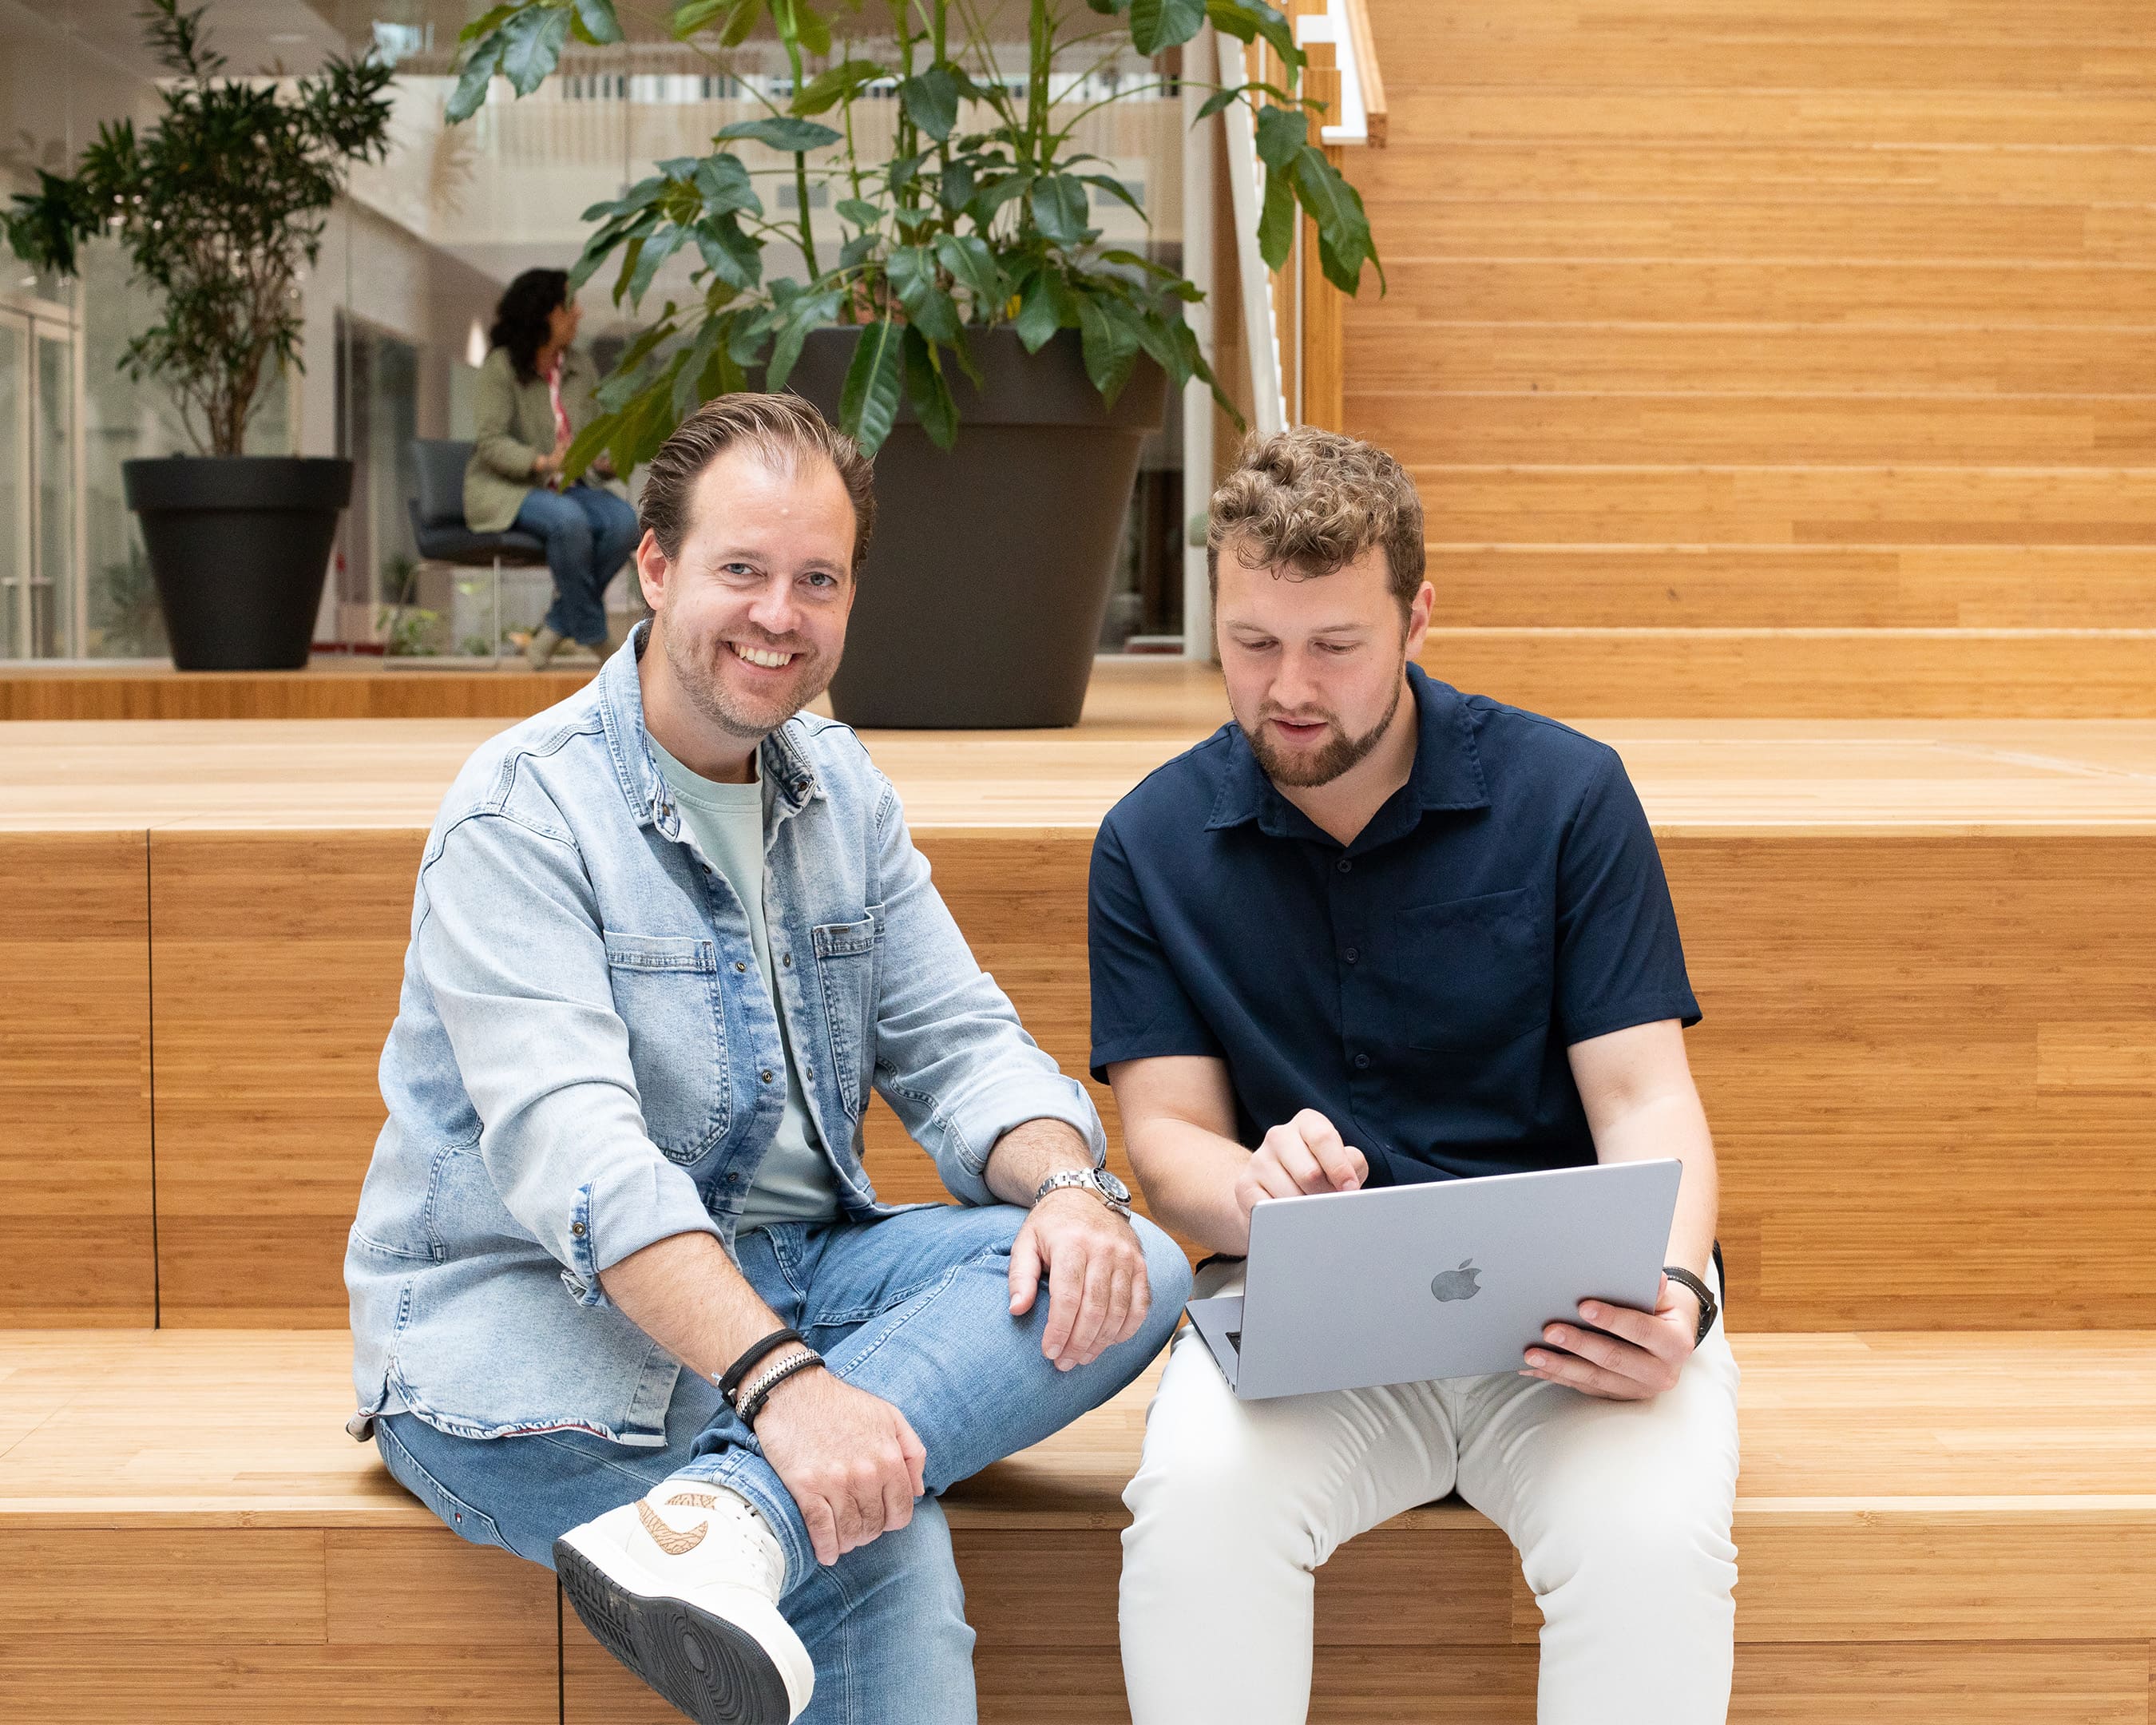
(625, 1089)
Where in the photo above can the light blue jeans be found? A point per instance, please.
(913, 1308)
(589, 534)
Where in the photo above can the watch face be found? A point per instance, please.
(1113, 1187)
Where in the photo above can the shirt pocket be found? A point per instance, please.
(666, 991)
(1470, 975)
(846, 971)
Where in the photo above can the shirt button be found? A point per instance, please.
(739, 966)
(1350, 955)
(1362, 1063)
(786, 961)
(765, 1074)
(1345, 866)
(576, 1230)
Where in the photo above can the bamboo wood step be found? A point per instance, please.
(1931, 1527)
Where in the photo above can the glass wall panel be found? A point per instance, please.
(399, 304)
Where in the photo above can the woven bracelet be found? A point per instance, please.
(759, 1393)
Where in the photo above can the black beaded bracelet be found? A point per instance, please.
(759, 1392)
(730, 1385)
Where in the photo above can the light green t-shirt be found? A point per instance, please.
(793, 1183)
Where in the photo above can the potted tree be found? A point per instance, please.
(961, 316)
(220, 207)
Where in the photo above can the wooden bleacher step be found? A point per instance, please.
(188, 1534)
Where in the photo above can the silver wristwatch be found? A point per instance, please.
(1098, 1181)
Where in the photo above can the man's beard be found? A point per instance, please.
(698, 679)
(1322, 765)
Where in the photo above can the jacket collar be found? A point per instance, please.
(1447, 774)
(789, 775)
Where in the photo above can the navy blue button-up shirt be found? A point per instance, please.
(1420, 987)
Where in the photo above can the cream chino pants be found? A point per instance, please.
(1621, 1513)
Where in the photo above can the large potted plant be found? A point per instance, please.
(963, 317)
(220, 206)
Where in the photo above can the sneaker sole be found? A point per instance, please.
(712, 1670)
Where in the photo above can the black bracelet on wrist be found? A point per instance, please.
(730, 1385)
(759, 1393)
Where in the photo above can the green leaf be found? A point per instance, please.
(928, 308)
(479, 70)
(861, 213)
(1276, 220)
(656, 251)
(867, 403)
(804, 312)
(1059, 209)
(1110, 346)
(967, 257)
(930, 392)
(1116, 188)
(1046, 304)
(1157, 25)
(725, 186)
(729, 253)
(827, 89)
(983, 204)
(595, 22)
(531, 47)
(931, 100)
(487, 22)
(689, 379)
(1281, 131)
(814, 35)
(1248, 20)
(956, 187)
(858, 250)
(1344, 245)
(782, 132)
(1219, 100)
(748, 338)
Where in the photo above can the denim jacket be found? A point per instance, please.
(585, 1059)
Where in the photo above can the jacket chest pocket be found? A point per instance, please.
(1469, 976)
(846, 970)
(666, 991)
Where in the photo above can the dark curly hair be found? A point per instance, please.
(521, 319)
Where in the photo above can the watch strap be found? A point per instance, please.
(1709, 1308)
(1077, 1179)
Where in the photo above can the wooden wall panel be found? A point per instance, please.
(1871, 1064)
(1747, 273)
(279, 956)
(1676, 673)
(75, 1181)
(1797, 586)
(254, 1626)
(328, 690)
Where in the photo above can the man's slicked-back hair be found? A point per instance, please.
(1314, 502)
(782, 429)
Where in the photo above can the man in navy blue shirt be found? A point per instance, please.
(1375, 931)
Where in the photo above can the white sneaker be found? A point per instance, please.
(682, 1586)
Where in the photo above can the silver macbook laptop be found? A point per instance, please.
(1451, 1279)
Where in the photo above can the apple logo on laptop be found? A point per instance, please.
(1457, 1284)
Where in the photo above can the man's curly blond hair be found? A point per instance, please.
(1313, 501)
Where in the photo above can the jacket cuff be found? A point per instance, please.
(624, 1210)
(971, 1134)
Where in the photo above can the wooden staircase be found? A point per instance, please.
(1757, 317)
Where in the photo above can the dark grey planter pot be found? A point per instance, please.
(238, 545)
(980, 604)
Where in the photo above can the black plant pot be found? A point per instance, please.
(239, 545)
(980, 604)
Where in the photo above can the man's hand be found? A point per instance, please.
(1098, 1293)
(850, 1459)
(1305, 1155)
(1637, 1360)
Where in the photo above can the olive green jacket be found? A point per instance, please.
(513, 423)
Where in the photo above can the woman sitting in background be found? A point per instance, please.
(534, 395)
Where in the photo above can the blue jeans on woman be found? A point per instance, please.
(913, 1308)
(589, 534)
